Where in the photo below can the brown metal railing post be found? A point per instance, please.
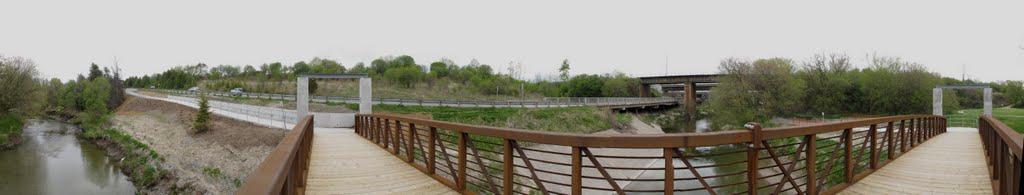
(577, 171)
(380, 133)
(432, 151)
(396, 136)
(507, 167)
(811, 168)
(931, 128)
(461, 183)
(920, 133)
(752, 150)
(888, 139)
(873, 136)
(669, 171)
(910, 134)
(848, 157)
(409, 143)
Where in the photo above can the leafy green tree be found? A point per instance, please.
(94, 71)
(359, 68)
(827, 82)
(326, 66)
(406, 76)
(301, 68)
(754, 92)
(249, 71)
(620, 85)
(439, 69)
(18, 79)
(95, 94)
(583, 85)
(1015, 93)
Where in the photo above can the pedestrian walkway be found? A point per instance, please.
(950, 163)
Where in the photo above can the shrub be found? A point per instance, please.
(202, 123)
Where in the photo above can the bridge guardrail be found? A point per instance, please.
(547, 102)
(480, 159)
(284, 170)
(1003, 148)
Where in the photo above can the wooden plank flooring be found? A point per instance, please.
(344, 163)
(950, 163)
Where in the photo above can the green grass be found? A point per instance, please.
(10, 125)
(568, 119)
(140, 161)
(1012, 117)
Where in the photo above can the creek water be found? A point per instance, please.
(50, 160)
(679, 125)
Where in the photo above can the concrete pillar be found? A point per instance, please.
(937, 101)
(365, 96)
(645, 90)
(691, 99)
(302, 97)
(988, 101)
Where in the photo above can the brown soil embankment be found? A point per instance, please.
(216, 161)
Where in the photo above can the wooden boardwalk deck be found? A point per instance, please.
(950, 163)
(345, 163)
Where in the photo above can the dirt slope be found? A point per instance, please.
(214, 161)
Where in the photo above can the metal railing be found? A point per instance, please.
(962, 120)
(1003, 153)
(284, 170)
(823, 158)
(547, 102)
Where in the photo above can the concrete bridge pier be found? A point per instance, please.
(690, 99)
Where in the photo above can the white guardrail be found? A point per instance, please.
(547, 102)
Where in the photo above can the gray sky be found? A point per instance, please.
(63, 37)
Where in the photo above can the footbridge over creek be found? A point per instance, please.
(384, 154)
(387, 154)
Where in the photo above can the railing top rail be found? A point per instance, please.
(783, 132)
(270, 176)
(1014, 140)
(644, 141)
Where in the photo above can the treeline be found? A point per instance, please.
(88, 99)
(20, 87)
(402, 71)
(757, 91)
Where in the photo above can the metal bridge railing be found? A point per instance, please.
(823, 158)
(284, 170)
(1003, 151)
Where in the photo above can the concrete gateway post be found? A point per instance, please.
(937, 97)
(302, 91)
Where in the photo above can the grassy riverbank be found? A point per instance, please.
(10, 128)
(137, 159)
(568, 119)
(1012, 117)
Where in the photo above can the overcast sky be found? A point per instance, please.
(634, 37)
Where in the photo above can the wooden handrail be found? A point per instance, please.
(1003, 148)
(284, 170)
(474, 159)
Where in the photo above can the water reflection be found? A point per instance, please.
(49, 161)
(731, 175)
